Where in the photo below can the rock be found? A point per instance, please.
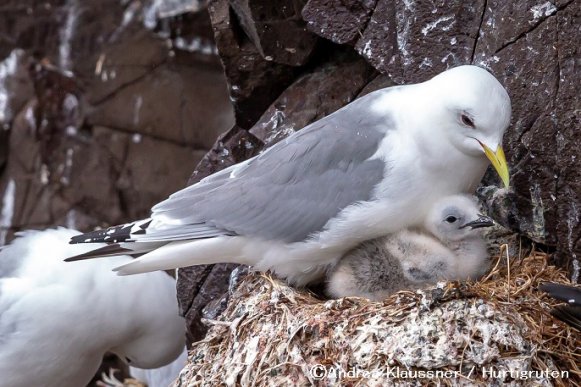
(253, 81)
(276, 29)
(216, 307)
(194, 44)
(183, 117)
(93, 178)
(87, 119)
(313, 96)
(171, 8)
(541, 143)
(338, 20)
(58, 112)
(412, 41)
(15, 85)
(16, 88)
(379, 82)
(115, 68)
(210, 283)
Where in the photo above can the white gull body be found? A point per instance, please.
(57, 320)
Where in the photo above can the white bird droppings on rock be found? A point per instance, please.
(542, 10)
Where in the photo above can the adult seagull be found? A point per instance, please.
(371, 168)
(58, 320)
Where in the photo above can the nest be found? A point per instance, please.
(494, 331)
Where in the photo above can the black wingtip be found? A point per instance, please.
(81, 257)
(571, 313)
(567, 293)
(105, 251)
(568, 314)
(113, 234)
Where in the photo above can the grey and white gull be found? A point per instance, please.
(449, 246)
(57, 320)
(374, 167)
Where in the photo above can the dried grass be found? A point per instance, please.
(272, 335)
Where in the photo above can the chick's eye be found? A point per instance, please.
(451, 219)
(467, 121)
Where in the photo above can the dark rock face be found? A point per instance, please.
(253, 80)
(313, 96)
(276, 29)
(232, 147)
(406, 40)
(339, 21)
(209, 285)
(108, 108)
(532, 50)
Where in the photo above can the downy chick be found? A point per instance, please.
(450, 247)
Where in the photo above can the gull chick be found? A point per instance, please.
(58, 320)
(450, 248)
(374, 167)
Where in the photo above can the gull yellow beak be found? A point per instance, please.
(498, 161)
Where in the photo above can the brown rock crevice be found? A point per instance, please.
(484, 7)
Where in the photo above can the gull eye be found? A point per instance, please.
(451, 219)
(467, 121)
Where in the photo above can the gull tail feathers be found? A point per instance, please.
(188, 253)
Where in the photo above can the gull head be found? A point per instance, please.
(455, 218)
(471, 110)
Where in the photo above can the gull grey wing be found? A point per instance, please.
(291, 190)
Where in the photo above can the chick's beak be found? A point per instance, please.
(482, 221)
(498, 161)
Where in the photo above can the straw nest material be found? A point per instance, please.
(453, 334)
